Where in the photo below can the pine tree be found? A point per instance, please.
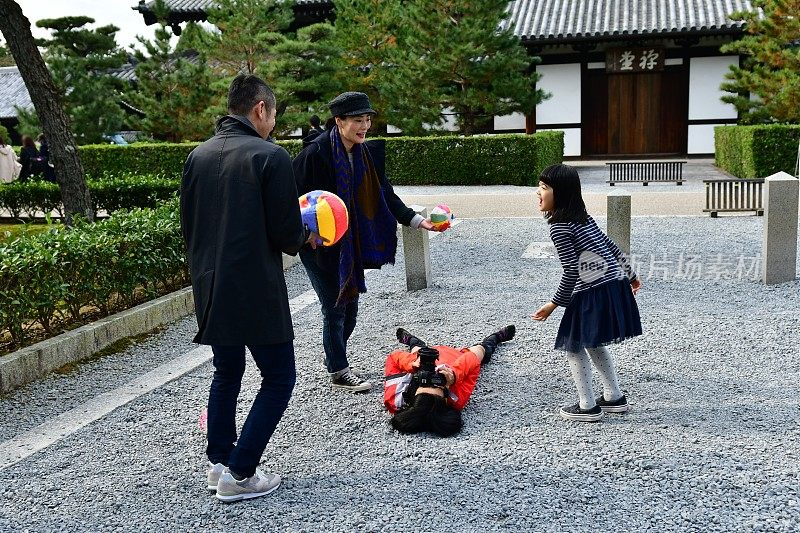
(80, 61)
(6, 60)
(303, 74)
(766, 87)
(194, 38)
(173, 90)
(248, 30)
(461, 59)
(369, 33)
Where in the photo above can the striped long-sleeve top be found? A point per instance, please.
(589, 258)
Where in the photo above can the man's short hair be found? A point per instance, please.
(246, 91)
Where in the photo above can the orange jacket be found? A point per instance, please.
(465, 365)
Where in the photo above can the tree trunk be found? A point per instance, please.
(69, 172)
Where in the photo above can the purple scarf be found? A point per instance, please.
(372, 239)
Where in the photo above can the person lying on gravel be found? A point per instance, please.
(427, 387)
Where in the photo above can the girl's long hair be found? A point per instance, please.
(568, 203)
(428, 413)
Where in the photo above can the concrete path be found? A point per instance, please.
(656, 199)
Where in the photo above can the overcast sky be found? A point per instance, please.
(116, 12)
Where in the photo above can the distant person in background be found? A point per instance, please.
(315, 131)
(315, 124)
(28, 157)
(44, 156)
(9, 166)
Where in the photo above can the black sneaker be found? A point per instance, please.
(507, 333)
(491, 342)
(617, 406)
(574, 412)
(408, 339)
(352, 382)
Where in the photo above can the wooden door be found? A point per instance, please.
(635, 114)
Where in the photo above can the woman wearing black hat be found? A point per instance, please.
(338, 161)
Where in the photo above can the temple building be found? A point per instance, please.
(627, 77)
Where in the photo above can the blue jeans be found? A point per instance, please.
(338, 322)
(276, 363)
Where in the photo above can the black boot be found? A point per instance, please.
(491, 342)
(407, 338)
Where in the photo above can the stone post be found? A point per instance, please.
(619, 219)
(779, 244)
(417, 253)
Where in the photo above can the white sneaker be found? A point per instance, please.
(259, 484)
(214, 471)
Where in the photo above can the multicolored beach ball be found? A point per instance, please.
(442, 217)
(325, 214)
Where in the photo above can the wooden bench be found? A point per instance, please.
(733, 196)
(646, 171)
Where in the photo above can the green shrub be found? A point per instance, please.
(50, 277)
(110, 160)
(511, 159)
(757, 151)
(32, 198)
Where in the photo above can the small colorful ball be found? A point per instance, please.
(442, 217)
(325, 214)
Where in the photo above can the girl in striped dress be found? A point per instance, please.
(597, 289)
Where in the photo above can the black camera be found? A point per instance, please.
(427, 376)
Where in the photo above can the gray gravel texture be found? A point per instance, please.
(710, 444)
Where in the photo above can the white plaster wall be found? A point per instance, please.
(449, 122)
(563, 82)
(514, 121)
(705, 76)
(701, 138)
(572, 140)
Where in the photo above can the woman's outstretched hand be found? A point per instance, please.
(428, 225)
(544, 311)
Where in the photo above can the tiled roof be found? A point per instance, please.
(566, 20)
(542, 20)
(12, 92)
(194, 6)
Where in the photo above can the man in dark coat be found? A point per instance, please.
(239, 211)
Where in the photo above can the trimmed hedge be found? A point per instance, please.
(48, 280)
(511, 159)
(123, 192)
(756, 151)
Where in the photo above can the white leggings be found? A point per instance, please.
(581, 369)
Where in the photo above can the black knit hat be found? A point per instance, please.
(351, 104)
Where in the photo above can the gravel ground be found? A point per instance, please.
(710, 443)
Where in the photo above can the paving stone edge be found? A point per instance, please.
(35, 361)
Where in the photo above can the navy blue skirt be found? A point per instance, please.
(599, 316)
